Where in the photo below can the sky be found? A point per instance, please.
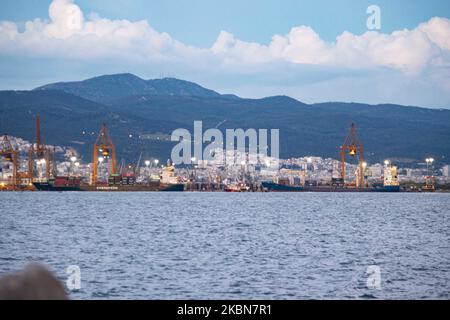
(312, 50)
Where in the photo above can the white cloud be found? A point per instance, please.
(407, 50)
(67, 19)
(301, 45)
(70, 34)
(438, 31)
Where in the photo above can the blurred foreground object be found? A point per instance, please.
(35, 282)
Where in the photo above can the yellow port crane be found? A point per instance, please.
(354, 147)
(105, 148)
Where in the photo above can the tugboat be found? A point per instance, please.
(237, 187)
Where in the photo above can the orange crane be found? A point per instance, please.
(353, 145)
(11, 155)
(107, 150)
(39, 152)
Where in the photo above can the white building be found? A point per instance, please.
(445, 171)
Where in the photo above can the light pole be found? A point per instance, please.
(147, 171)
(193, 159)
(100, 161)
(429, 162)
(308, 163)
(385, 170)
(364, 166)
(429, 181)
(244, 172)
(42, 163)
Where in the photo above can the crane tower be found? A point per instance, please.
(103, 149)
(354, 147)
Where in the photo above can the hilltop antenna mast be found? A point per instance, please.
(353, 145)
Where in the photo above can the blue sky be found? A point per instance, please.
(233, 32)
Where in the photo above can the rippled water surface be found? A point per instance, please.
(233, 246)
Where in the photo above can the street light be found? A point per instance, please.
(307, 166)
(363, 173)
(40, 163)
(147, 163)
(429, 162)
(100, 160)
(76, 164)
(386, 162)
(156, 161)
(194, 172)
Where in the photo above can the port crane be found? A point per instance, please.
(11, 154)
(103, 149)
(39, 152)
(354, 147)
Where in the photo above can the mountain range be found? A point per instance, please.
(138, 112)
(108, 88)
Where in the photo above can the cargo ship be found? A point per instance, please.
(390, 184)
(70, 184)
(271, 186)
(116, 182)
